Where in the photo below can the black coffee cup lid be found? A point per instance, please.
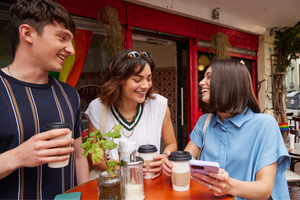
(57, 125)
(147, 148)
(180, 156)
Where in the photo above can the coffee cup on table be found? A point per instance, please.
(147, 152)
(180, 176)
(59, 125)
(292, 141)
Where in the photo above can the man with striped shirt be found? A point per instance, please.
(42, 33)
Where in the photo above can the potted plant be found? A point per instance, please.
(110, 181)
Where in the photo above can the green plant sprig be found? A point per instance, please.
(102, 142)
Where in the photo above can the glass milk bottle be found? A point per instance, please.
(132, 172)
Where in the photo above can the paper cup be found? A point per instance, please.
(147, 152)
(180, 176)
(58, 125)
(292, 141)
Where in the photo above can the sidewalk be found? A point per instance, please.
(295, 190)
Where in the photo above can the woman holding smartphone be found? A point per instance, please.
(248, 145)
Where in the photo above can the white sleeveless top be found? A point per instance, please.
(149, 121)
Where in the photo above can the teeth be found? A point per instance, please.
(141, 92)
(61, 57)
(204, 90)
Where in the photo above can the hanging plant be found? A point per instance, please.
(109, 21)
(220, 47)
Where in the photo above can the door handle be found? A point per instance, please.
(181, 95)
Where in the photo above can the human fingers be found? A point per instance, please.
(156, 175)
(158, 157)
(52, 134)
(54, 152)
(155, 169)
(217, 186)
(203, 180)
(167, 167)
(144, 171)
(48, 159)
(168, 152)
(32, 154)
(54, 143)
(156, 164)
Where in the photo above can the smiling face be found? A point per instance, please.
(205, 85)
(136, 87)
(52, 47)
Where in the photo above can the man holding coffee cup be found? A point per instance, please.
(42, 33)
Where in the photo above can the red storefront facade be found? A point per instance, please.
(136, 19)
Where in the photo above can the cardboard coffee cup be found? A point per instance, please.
(180, 175)
(59, 125)
(147, 152)
(292, 141)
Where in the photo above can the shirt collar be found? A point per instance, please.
(237, 120)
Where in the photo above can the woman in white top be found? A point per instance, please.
(128, 93)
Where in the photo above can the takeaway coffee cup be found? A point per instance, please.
(180, 175)
(292, 141)
(147, 152)
(58, 125)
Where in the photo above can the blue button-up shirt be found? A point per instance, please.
(244, 144)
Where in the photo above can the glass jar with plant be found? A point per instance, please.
(110, 181)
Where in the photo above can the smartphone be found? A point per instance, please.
(203, 167)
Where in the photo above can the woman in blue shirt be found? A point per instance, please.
(247, 145)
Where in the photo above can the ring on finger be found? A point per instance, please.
(209, 187)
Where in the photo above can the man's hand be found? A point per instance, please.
(39, 149)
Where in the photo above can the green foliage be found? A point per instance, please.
(287, 46)
(220, 47)
(102, 142)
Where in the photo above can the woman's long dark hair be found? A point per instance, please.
(119, 71)
(231, 89)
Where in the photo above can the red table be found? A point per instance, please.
(160, 188)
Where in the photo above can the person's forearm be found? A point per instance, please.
(82, 167)
(82, 170)
(171, 147)
(251, 190)
(8, 163)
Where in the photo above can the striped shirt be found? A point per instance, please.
(25, 110)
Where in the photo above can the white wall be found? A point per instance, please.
(266, 48)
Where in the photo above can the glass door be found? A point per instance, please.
(170, 78)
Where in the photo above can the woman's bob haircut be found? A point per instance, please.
(231, 89)
(120, 69)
